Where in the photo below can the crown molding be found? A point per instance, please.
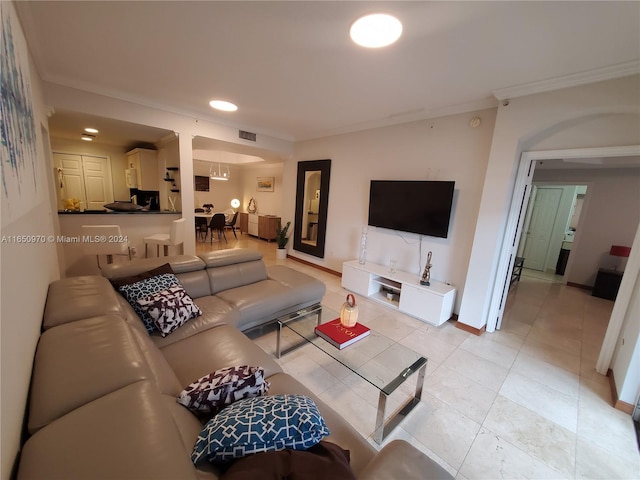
(573, 80)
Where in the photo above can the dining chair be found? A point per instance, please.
(232, 224)
(173, 238)
(104, 240)
(218, 223)
(202, 228)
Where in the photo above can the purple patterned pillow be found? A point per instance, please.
(169, 308)
(223, 387)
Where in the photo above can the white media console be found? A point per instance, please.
(401, 290)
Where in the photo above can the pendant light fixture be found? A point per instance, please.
(219, 172)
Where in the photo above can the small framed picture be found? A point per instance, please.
(265, 184)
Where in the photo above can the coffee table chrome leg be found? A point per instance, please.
(378, 433)
(278, 338)
(383, 429)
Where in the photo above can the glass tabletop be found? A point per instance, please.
(381, 361)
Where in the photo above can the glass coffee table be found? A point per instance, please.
(382, 362)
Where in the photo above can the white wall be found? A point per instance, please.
(26, 271)
(599, 114)
(611, 216)
(268, 203)
(445, 148)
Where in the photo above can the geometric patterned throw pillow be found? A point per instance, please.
(144, 288)
(169, 308)
(223, 387)
(260, 424)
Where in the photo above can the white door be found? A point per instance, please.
(86, 178)
(97, 181)
(543, 218)
(72, 177)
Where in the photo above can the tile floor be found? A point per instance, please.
(524, 402)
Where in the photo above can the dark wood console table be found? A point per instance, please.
(607, 283)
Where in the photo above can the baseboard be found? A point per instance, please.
(617, 403)
(319, 267)
(579, 285)
(469, 328)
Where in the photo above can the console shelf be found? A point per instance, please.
(401, 290)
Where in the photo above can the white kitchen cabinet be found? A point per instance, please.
(432, 304)
(145, 163)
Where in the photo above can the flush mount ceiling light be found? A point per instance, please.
(90, 130)
(376, 30)
(87, 138)
(223, 105)
(219, 172)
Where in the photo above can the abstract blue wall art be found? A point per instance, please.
(18, 139)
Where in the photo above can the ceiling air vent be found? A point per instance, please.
(247, 135)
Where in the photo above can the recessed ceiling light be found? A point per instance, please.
(223, 105)
(87, 139)
(90, 130)
(376, 30)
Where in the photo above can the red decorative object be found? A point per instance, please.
(620, 251)
(340, 336)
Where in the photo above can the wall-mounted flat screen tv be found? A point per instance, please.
(202, 183)
(422, 207)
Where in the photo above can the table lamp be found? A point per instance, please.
(621, 252)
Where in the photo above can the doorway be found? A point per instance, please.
(516, 216)
(549, 230)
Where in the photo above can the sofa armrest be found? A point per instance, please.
(399, 459)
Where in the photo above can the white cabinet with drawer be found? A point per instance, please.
(432, 304)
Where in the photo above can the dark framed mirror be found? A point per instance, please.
(312, 202)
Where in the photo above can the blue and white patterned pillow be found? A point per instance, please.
(145, 288)
(169, 308)
(260, 424)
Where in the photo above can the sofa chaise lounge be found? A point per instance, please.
(103, 390)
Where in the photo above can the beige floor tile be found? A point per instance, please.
(595, 462)
(476, 368)
(400, 434)
(394, 325)
(534, 434)
(355, 410)
(490, 350)
(550, 354)
(603, 425)
(552, 337)
(464, 395)
(447, 332)
(428, 346)
(492, 457)
(441, 429)
(543, 400)
(547, 374)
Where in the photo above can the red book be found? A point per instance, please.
(339, 336)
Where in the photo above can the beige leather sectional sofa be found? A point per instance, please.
(103, 392)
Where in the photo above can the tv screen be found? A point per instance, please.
(422, 207)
